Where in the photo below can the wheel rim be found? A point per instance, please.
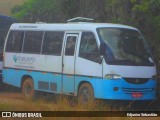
(28, 90)
(85, 96)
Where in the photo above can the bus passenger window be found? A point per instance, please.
(70, 45)
(88, 47)
(15, 40)
(52, 44)
(32, 42)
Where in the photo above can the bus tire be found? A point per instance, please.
(28, 88)
(85, 94)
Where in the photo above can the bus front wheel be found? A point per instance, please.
(85, 94)
(28, 88)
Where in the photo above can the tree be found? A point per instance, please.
(148, 19)
(143, 14)
(58, 10)
(38, 10)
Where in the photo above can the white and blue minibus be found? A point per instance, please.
(87, 60)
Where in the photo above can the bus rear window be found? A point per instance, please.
(15, 40)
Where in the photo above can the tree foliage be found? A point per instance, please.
(37, 10)
(143, 14)
(58, 10)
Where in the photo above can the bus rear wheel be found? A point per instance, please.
(28, 88)
(85, 94)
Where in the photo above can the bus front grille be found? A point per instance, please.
(132, 90)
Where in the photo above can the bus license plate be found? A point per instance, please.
(137, 95)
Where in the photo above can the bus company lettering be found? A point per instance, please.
(24, 60)
(27, 26)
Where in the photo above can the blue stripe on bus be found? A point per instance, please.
(103, 88)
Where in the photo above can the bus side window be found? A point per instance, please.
(52, 44)
(88, 47)
(15, 40)
(32, 42)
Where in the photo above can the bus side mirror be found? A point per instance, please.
(100, 59)
(102, 48)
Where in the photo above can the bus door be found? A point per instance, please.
(68, 64)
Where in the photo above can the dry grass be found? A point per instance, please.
(14, 101)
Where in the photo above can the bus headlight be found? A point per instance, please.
(112, 76)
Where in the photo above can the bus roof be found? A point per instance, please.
(66, 26)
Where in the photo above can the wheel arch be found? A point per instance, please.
(24, 78)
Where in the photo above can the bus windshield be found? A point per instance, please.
(125, 47)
